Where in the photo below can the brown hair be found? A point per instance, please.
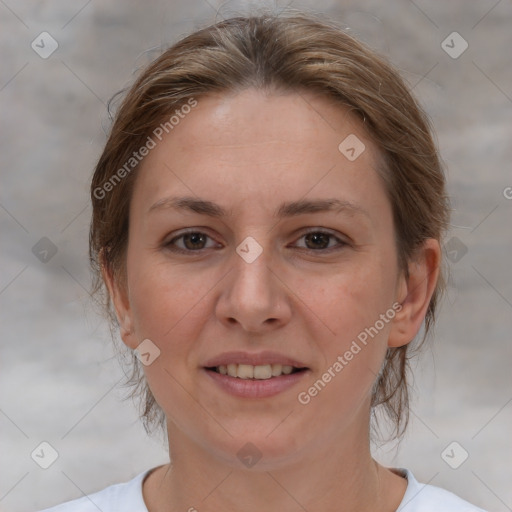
(292, 53)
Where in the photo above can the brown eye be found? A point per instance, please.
(317, 240)
(321, 240)
(193, 241)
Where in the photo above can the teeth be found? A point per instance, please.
(259, 372)
(245, 371)
(276, 369)
(287, 369)
(263, 372)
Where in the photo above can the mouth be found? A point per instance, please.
(254, 375)
(255, 372)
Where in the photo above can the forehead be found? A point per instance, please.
(250, 148)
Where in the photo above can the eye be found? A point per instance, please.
(321, 240)
(196, 241)
(191, 241)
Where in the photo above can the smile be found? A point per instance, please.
(258, 372)
(260, 385)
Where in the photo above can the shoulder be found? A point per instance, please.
(125, 496)
(425, 498)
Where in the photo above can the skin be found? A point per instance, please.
(249, 152)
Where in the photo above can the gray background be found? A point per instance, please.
(59, 378)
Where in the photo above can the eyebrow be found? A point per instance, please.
(288, 209)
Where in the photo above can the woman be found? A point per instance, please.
(267, 218)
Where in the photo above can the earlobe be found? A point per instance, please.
(414, 293)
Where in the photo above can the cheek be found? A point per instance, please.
(167, 309)
(357, 307)
(165, 300)
(351, 306)
(353, 300)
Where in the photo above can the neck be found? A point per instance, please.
(337, 474)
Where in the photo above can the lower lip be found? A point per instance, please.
(255, 388)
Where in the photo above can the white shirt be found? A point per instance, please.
(127, 497)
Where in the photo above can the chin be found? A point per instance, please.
(257, 450)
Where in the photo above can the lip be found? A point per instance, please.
(255, 388)
(254, 359)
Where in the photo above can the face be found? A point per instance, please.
(290, 260)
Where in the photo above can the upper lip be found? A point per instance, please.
(254, 359)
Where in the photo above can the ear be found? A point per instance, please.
(120, 299)
(414, 293)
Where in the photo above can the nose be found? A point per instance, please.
(254, 297)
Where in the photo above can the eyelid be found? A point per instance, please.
(186, 231)
(341, 242)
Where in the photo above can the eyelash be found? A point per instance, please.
(170, 244)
